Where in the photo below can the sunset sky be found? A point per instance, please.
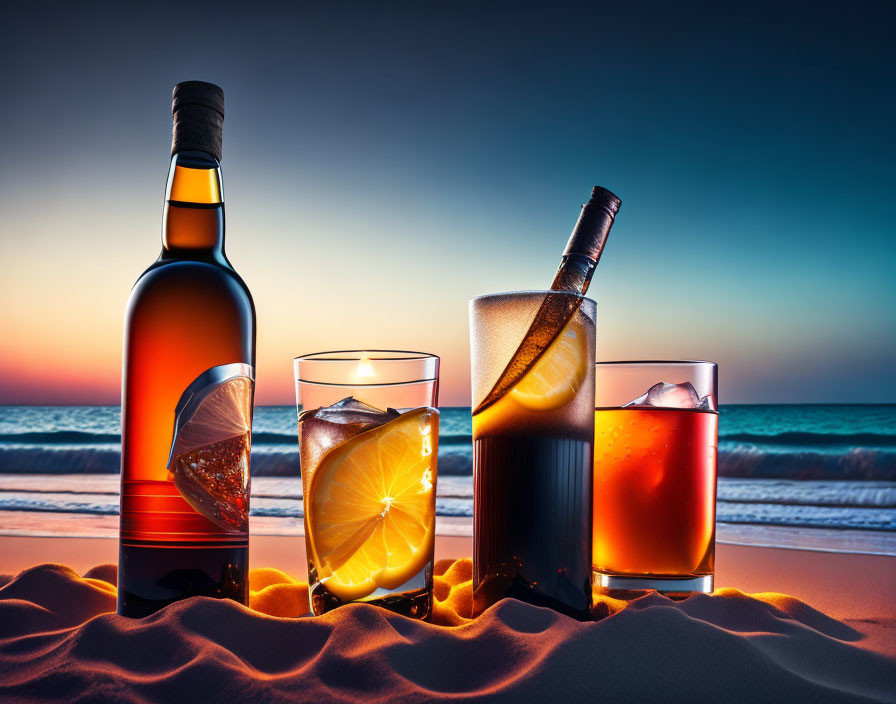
(385, 163)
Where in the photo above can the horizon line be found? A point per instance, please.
(292, 405)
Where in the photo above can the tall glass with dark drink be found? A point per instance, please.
(532, 356)
(533, 455)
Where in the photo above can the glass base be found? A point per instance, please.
(568, 600)
(412, 599)
(623, 586)
(417, 605)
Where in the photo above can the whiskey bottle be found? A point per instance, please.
(187, 389)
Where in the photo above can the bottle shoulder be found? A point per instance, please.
(191, 280)
(176, 269)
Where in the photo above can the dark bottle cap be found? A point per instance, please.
(198, 109)
(590, 233)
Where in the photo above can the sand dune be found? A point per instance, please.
(58, 642)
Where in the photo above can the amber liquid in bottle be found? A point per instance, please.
(187, 313)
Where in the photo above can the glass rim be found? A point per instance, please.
(656, 362)
(424, 364)
(409, 355)
(359, 385)
(533, 290)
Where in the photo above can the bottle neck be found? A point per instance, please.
(574, 273)
(193, 225)
(586, 243)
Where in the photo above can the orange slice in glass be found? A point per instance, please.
(371, 506)
(556, 377)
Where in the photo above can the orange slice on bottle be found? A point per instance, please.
(557, 376)
(209, 457)
(371, 506)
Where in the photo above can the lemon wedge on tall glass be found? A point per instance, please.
(558, 374)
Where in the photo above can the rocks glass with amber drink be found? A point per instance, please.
(655, 449)
(368, 436)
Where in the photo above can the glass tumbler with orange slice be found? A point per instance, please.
(368, 438)
(533, 431)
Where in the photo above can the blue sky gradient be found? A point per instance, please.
(386, 162)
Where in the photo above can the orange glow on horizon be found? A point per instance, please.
(61, 322)
(48, 377)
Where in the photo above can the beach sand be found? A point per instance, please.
(832, 639)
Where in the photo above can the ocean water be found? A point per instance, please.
(829, 467)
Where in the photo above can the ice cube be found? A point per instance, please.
(664, 395)
(707, 403)
(322, 429)
(351, 411)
